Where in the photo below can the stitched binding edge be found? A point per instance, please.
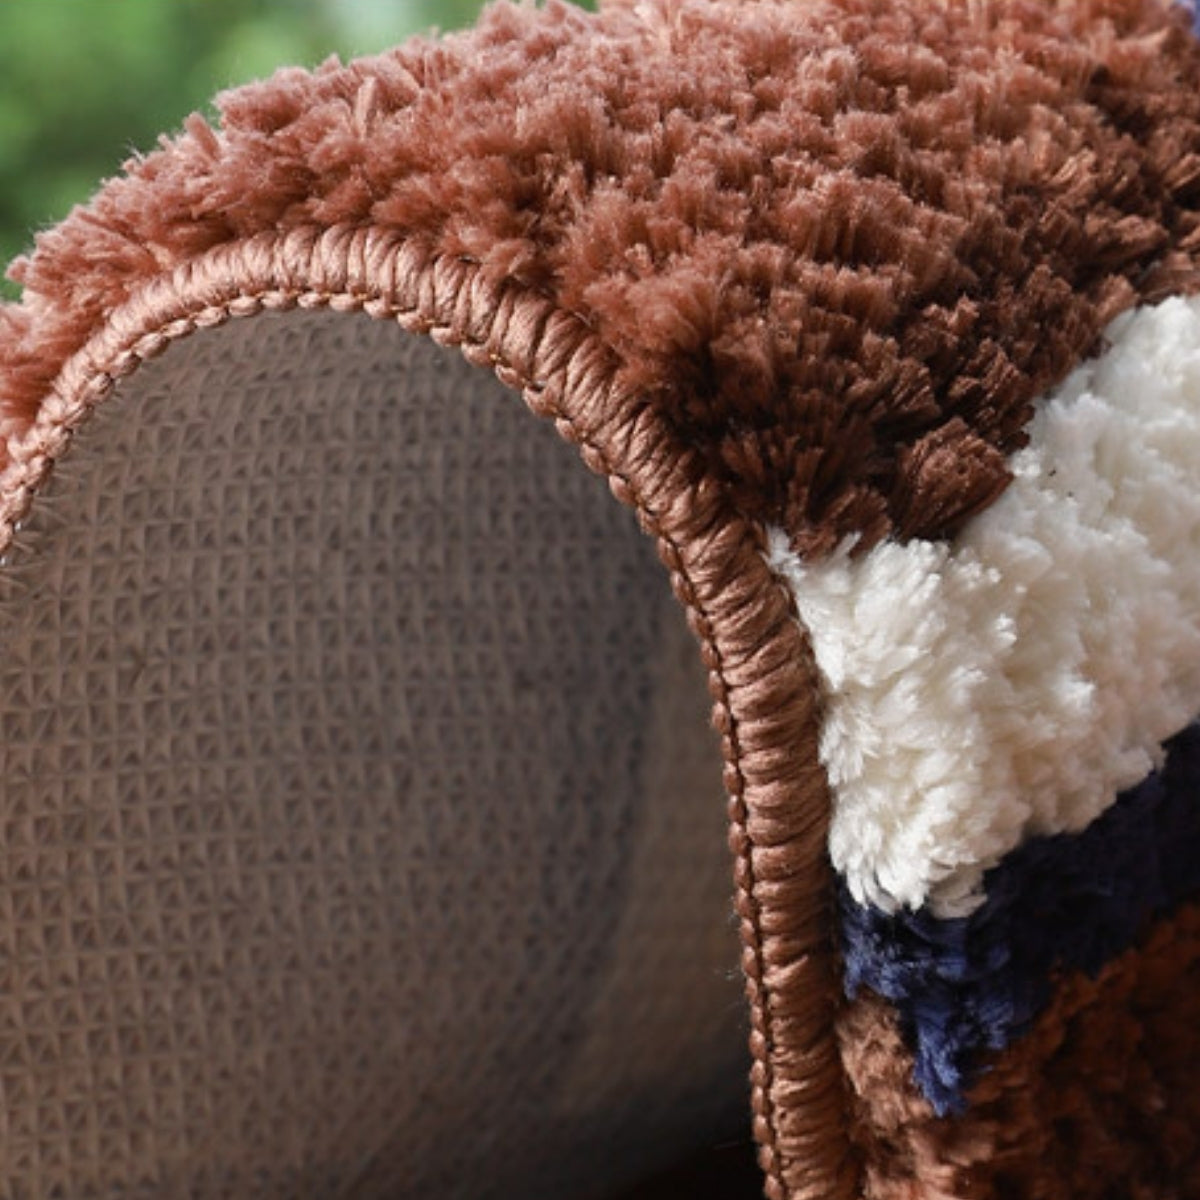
(760, 671)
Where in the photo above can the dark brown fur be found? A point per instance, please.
(1098, 1102)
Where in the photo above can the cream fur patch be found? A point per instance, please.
(1013, 681)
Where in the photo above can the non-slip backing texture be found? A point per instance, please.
(362, 831)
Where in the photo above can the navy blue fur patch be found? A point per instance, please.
(1064, 903)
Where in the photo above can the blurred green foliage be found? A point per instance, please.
(84, 83)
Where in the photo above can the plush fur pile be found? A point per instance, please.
(1057, 905)
(842, 244)
(1041, 658)
(1098, 1102)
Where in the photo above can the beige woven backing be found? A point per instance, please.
(362, 829)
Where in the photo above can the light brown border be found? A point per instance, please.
(760, 672)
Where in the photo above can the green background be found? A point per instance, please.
(83, 83)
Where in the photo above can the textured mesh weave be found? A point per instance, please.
(362, 832)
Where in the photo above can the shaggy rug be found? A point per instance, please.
(362, 832)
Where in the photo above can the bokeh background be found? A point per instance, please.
(85, 83)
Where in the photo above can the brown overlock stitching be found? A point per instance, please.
(743, 619)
